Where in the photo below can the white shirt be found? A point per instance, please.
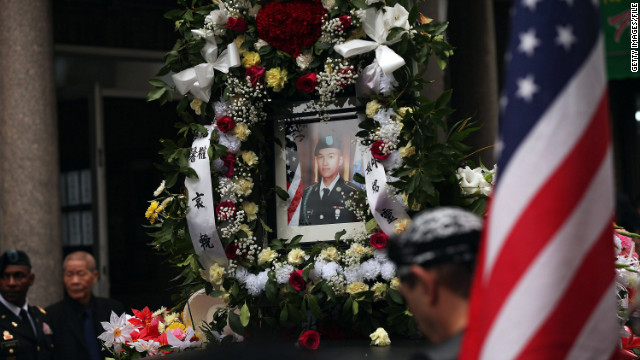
(330, 187)
(16, 310)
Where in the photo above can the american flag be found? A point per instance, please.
(294, 186)
(544, 282)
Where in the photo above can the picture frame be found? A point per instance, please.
(301, 133)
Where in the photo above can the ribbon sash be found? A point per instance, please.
(201, 218)
(385, 209)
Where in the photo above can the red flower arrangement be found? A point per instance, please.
(307, 82)
(255, 75)
(225, 124)
(229, 161)
(379, 240)
(237, 24)
(225, 210)
(296, 280)
(377, 150)
(290, 26)
(345, 20)
(309, 339)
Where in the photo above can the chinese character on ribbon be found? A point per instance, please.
(205, 242)
(198, 200)
(375, 187)
(387, 214)
(192, 154)
(202, 153)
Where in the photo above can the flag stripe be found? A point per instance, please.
(295, 194)
(541, 153)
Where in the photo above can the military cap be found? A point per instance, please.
(326, 142)
(14, 257)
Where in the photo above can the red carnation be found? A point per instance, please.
(345, 21)
(225, 210)
(297, 281)
(377, 150)
(225, 123)
(255, 75)
(229, 161)
(307, 82)
(309, 339)
(237, 24)
(231, 250)
(379, 240)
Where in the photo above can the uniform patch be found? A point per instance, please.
(46, 329)
(7, 335)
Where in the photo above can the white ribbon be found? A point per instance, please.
(375, 27)
(201, 217)
(372, 81)
(385, 209)
(198, 79)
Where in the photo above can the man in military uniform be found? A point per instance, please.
(324, 201)
(26, 333)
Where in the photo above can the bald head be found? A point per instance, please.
(81, 256)
(79, 276)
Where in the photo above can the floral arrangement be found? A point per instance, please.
(147, 334)
(627, 270)
(236, 61)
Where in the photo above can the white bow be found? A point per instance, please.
(198, 79)
(377, 29)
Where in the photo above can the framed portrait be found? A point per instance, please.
(316, 164)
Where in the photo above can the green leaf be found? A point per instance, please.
(395, 296)
(360, 4)
(340, 234)
(245, 315)
(444, 98)
(295, 241)
(355, 308)
(217, 293)
(265, 50)
(358, 178)
(282, 194)
(235, 323)
(347, 308)
(156, 93)
(312, 301)
(157, 83)
(271, 289)
(284, 316)
(323, 45)
(371, 225)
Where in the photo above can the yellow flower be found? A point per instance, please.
(266, 256)
(244, 186)
(177, 325)
(379, 290)
(166, 202)
(241, 131)
(239, 41)
(216, 272)
(372, 108)
(380, 337)
(395, 283)
(250, 58)
(250, 209)
(276, 78)
(360, 250)
(151, 209)
(404, 111)
(356, 287)
(415, 206)
(249, 157)
(330, 253)
(171, 318)
(401, 226)
(407, 151)
(245, 228)
(296, 256)
(195, 106)
(161, 327)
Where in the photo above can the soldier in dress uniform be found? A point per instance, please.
(324, 201)
(26, 333)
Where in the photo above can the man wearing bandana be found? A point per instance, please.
(435, 259)
(324, 201)
(25, 329)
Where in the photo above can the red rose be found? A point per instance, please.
(377, 150)
(229, 161)
(231, 250)
(379, 240)
(225, 210)
(309, 339)
(255, 75)
(307, 82)
(237, 24)
(297, 281)
(345, 21)
(225, 123)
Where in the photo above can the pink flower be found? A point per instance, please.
(627, 245)
(378, 150)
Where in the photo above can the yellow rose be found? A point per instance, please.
(250, 58)
(296, 256)
(330, 253)
(245, 228)
(356, 287)
(244, 186)
(241, 131)
(239, 41)
(266, 256)
(395, 283)
(250, 209)
(195, 106)
(249, 157)
(216, 272)
(379, 290)
(372, 108)
(360, 250)
(401, 226)
(380, 337)
(276, 78)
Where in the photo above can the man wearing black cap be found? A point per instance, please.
(26, 333)
(324, 201)
(435, 258)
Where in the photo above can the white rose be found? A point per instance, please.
(380, 337)
(328, 4)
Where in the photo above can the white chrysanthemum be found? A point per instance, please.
(231, 142)
(256, 283)
(394, 161)
(303, 60)
(159, 190)
(283, 273)
(388, 270)
(318, 267)
(352, 274)
(384, 116)
(241, 274)
(370, 269)
(331, 271)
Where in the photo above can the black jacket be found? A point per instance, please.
(68, 324)
(18, 341)
(330, 209)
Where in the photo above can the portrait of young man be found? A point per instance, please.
(324, 202)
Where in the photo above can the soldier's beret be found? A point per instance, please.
(14, 257)
(326, 142)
